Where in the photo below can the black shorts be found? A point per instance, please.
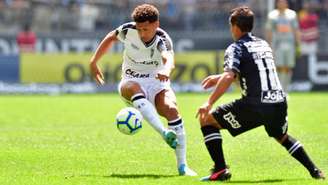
(240, 116)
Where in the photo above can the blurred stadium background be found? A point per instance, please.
(67, 31)
(71, 138)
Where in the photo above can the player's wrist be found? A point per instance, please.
(165, 72)
(210, 103)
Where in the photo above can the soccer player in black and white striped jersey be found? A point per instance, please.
(263, 100)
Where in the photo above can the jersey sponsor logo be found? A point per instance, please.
(145, 62)
(134, 74)
(230, 118)
(272, 96)
(149, 62)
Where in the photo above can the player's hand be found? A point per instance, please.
(204, 110)
(96, 73)
(163, 76)
(210, 81)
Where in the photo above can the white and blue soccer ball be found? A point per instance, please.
(129, 120)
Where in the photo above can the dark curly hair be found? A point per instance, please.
(145, 12)
(243, 17)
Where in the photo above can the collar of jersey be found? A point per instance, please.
(249, 34)
(151, 42)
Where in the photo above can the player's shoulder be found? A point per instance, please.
(128, 25)
(233, 49)
(162, 33)
(252, 41)
(253, 38)
(164, 39)
(237, 45)
(122, 31)
(244, 43)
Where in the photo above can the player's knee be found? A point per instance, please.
(128, 89)
(281, 139)
(208, 121)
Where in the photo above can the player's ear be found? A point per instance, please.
(157, 24)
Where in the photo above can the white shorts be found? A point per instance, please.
(150, 86)
(285, 55)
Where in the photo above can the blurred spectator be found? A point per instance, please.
(170, 14)
(188, 14)
(42, 17)
(48, 16)
(283, 33)
(308, 21)
(88, 16)
(69, 16)
(26, 40)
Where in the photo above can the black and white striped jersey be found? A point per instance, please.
(252, 60)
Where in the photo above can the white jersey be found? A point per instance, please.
(141, 60)
(282, 26)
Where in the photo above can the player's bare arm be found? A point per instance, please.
(223, 83)
(168, 61)
(210, 81)
(105, 44)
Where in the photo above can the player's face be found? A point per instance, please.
(147, 30)
(282, 4)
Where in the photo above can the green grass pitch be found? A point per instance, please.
(71, 139)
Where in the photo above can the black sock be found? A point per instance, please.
(213, 142)
(296, 150)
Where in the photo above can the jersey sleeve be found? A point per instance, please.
(165, 43)
(122, 30)
(232, 58)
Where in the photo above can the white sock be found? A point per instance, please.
(180, 151)
(149, 112)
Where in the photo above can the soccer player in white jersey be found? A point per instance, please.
(148, 60)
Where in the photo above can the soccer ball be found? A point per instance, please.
(129, 120)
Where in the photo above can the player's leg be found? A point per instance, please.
(277, 127)
(166, 106)
(295, 149)
(213, 141)
(133, 92)
(237, 117)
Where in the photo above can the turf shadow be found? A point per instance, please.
(261, 181)
(125, 176)
(136, 176)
